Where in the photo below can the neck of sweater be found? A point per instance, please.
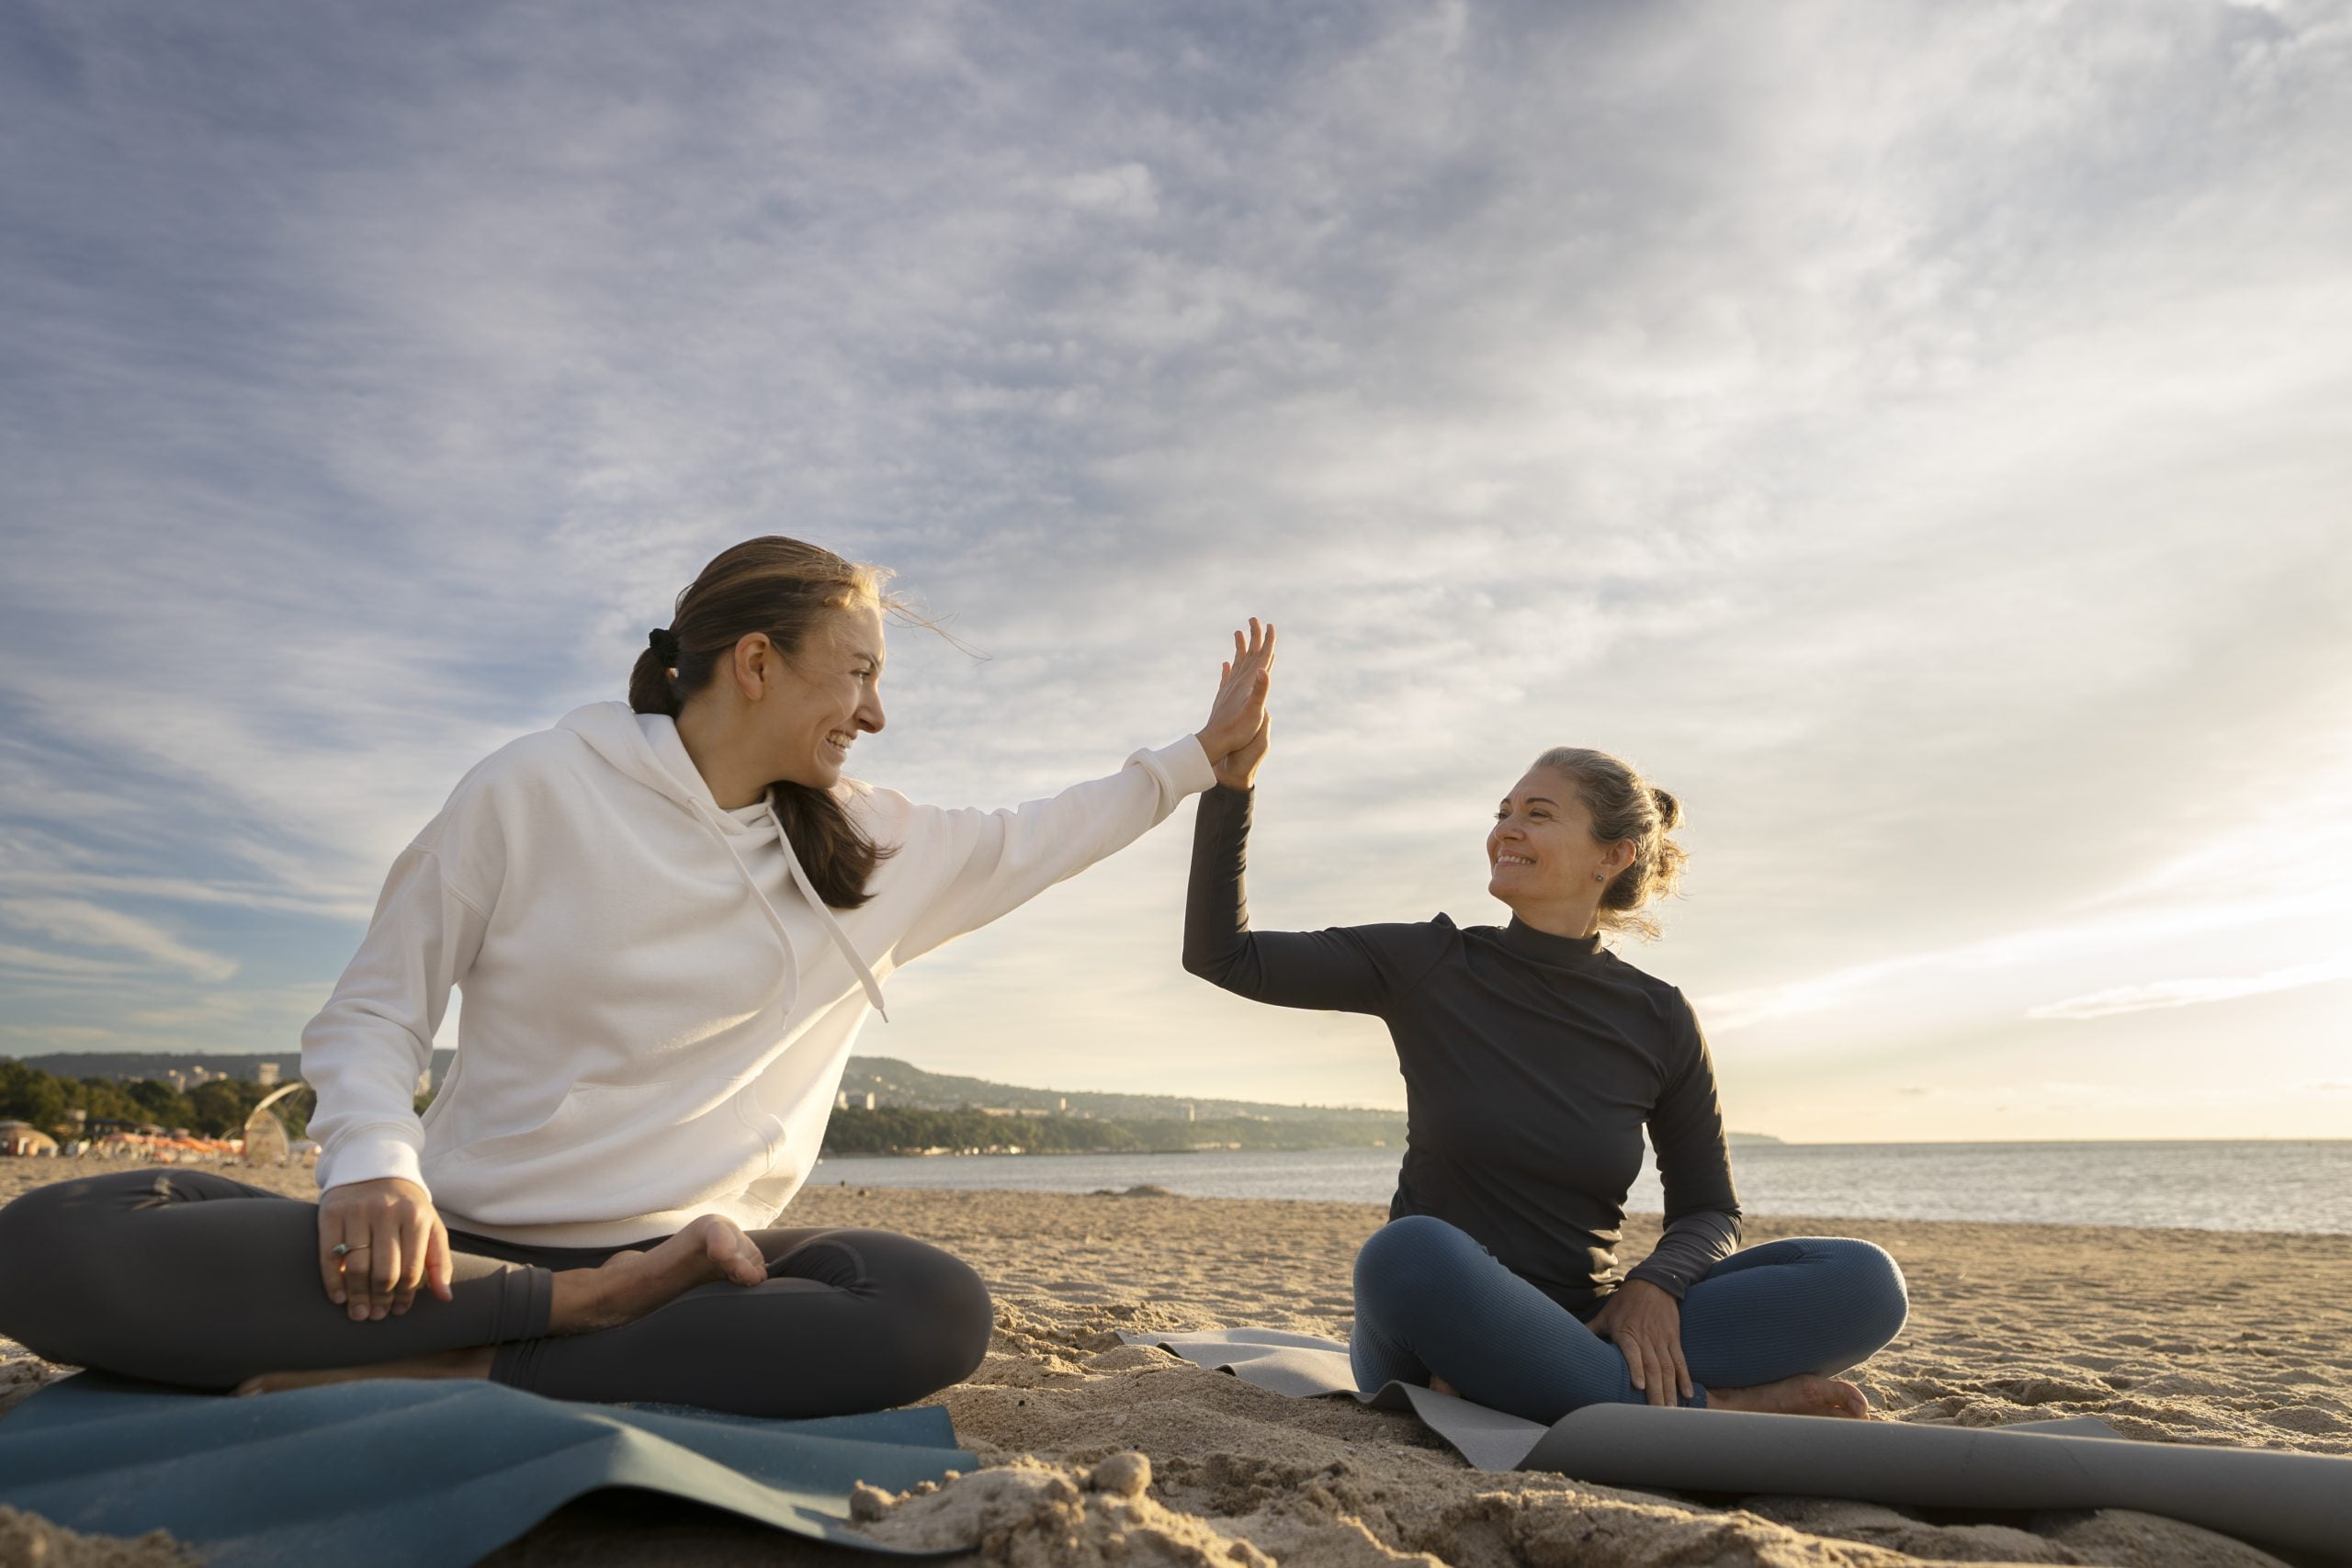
(1545, 948)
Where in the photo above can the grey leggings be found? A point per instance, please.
(186, 1276)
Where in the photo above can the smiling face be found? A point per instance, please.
(1540, 854)
(826, 695)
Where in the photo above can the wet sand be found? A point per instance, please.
(2171, 1336)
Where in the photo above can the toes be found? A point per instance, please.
(736, 1254)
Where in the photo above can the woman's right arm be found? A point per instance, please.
(1346, 969)
(365, 1052)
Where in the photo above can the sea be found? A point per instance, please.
(2259, 1186)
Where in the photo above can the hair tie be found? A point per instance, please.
(664, 644)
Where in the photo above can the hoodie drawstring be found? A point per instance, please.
(801, 880)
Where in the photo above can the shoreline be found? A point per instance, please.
(1649, 1221)
(2286, 1188)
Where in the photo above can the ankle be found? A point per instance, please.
(578, 1302)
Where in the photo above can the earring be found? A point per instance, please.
(1601, 876)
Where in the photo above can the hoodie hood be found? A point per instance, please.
(644, 748)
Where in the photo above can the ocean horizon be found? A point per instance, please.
(2303, 1186)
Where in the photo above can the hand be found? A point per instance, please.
(1645, 1323)
(393, 1241)
(1239, 769)
(1237, 718)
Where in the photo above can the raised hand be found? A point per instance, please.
(1239, 769)
(1237, 723)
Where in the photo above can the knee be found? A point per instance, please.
(945, 1325)
(1408, 1256)
(37, 1233)
(1870, 1285)
(967, 1322)
(29, 1217)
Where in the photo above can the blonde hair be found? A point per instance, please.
(1627, 808)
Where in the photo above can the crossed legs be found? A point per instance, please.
(1431, 1302)
(190, 1278)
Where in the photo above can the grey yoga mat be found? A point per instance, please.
(395, 1473)
(2299, 1502)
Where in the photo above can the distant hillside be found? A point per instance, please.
(893, 1082)
(890, 1080)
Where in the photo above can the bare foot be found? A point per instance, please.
(1803, 1395)
(630, 1284)
(474, 1363)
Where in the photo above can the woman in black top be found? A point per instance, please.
(1532, 1058)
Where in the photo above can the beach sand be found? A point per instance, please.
(2172, 1335)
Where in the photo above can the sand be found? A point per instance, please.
(2171, 1336)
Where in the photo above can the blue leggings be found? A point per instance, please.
(1429, 1300)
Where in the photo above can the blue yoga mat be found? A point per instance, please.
(400, 1472)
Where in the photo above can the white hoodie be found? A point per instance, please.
(658, 1008)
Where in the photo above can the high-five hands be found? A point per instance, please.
(1239, 731)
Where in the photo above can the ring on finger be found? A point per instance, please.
(344, 1248)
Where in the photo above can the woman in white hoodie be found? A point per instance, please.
(669, 918)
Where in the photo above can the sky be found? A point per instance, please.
(1912, 434)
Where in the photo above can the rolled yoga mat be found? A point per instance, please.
(396, 1474)
(2299, 1502)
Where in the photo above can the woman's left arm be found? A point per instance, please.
(1000, 859)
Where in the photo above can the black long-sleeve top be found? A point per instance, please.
(1531, 1064)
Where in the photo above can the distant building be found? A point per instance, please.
(869, 1100)
(1191, 1111)
(265, 1074)
(424, 1082)
(840, 1099)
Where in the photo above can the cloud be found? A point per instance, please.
(1991, 966)
(84, 924)
(60, 965)
(1124, 190)
(2192, 992)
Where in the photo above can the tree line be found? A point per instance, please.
(220, 1106)
(216, 1107)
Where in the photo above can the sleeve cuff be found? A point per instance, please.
(1184, 764)
(372, 1158)
(1658, 1276)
